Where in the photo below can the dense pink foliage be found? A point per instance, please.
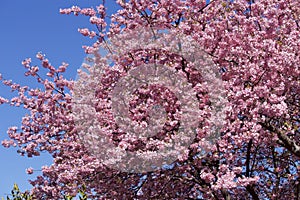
(256, 48)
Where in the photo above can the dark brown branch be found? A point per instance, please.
(252, 192)
(250, 188)
(248, 158)
(225, 194)
(284, 139)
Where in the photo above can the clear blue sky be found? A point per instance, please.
(28, 27)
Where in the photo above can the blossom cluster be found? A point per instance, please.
(255, 46)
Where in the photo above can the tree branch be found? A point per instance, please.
(284, 139)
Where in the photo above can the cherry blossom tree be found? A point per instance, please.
(255, 46)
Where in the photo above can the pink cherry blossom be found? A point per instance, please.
(255, 46)
(29, 170)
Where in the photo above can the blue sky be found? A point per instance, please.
(28, 27)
